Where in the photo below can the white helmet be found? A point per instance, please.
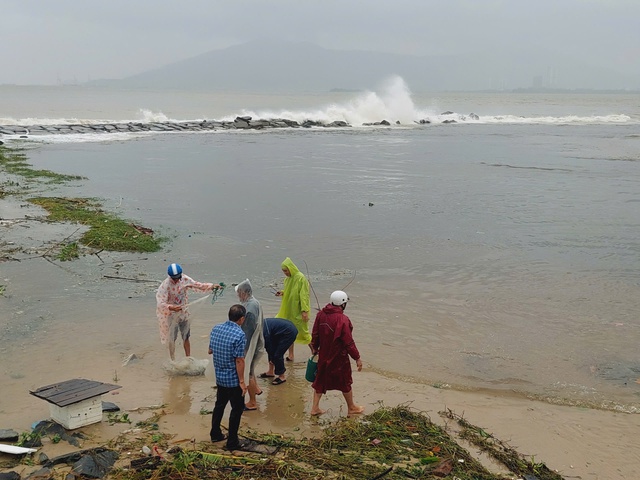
(339, 298)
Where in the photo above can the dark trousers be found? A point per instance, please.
(224, 396)
(277, 347)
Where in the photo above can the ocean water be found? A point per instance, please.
(498, 253)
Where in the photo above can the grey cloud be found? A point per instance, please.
(73, 38)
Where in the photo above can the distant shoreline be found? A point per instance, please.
(572, 91)
(521, 90)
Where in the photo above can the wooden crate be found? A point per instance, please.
(78, 414)
(75, 403)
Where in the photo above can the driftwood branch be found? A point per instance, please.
(139, 280)
(44, 255)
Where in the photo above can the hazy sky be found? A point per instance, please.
(65, 40)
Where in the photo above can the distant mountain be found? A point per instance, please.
(296, 67)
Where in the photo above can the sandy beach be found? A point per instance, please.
(577, 442)
(435, 300)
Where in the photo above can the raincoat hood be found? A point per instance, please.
(289, 265)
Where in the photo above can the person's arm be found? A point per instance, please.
(240, 371)
(211, 342)
(199, 286)
(238, 349)
(349, 342)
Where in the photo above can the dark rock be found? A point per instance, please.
(424, 121)
(261, 124)
(42, 474)
(42, 458)
(385, 122)
(32, 442)
(9, 476)
(95, 465)
(447, 113)
(8, 435)
(240, 123)
(245, 118)
(474, 116)
(51, 429)
(449, 121)
(110, 407)
(74, 456)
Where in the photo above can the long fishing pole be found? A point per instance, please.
(352, 279)
(311, 285)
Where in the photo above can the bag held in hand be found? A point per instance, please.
(312, 368)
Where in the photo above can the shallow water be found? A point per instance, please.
(480, 256)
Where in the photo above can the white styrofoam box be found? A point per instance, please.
(78, 414)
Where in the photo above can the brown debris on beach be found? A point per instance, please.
(391, 443)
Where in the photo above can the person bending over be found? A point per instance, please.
(279, 335)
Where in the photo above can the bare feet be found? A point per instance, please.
(356, 410)
(316, 412)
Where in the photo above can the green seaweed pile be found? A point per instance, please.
(105, 231)
(391, 443)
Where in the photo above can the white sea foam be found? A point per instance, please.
(391, 101)
(87, 137)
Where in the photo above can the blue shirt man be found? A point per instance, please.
(226, 344)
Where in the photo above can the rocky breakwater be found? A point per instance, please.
(240, 123)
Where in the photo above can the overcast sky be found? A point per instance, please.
(45, 41)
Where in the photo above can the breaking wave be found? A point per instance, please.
(391, 106)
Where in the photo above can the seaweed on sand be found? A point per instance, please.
(390, 443)
(105, 231)
(500, 451)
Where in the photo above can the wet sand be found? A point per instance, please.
(68, 320)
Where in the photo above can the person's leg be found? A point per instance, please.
(253, 390)
(222, 397)
(173, 336)
(352, 408)
(185, 331)
(289, 340)
(270, 370)
(237, 407)
(278, 360)
(315, 408)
